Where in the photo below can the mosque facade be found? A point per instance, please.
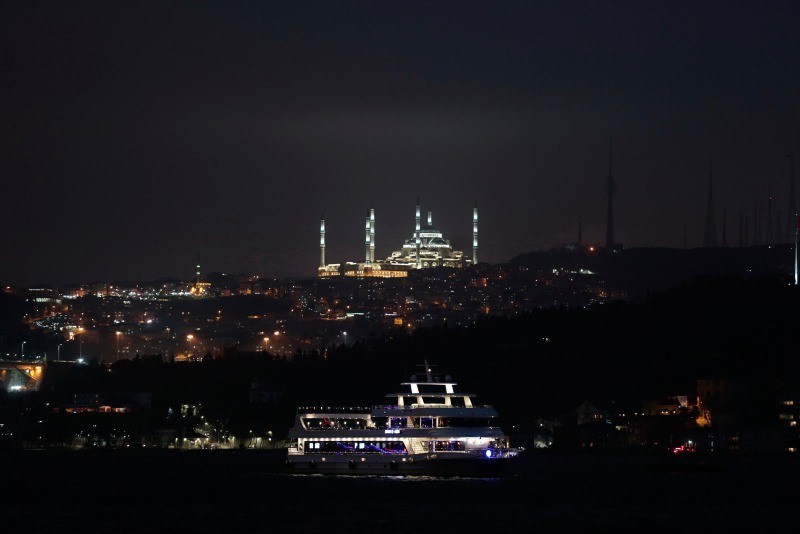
(426, 248)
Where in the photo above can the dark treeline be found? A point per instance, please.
(542, 363)
(639, 270)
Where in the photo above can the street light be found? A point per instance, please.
(266, 340)
(345, 338)
(22, 354)
(189, 339)
(118, 334)
(58, 358)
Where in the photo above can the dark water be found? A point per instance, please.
(230, 491)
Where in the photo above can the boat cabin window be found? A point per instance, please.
(380, 422)
(355, 447)
(398, 422)
(468, 422)
(424, 422)
(333, 423)
(448, 446)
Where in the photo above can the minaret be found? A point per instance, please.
(475, 234)
(741, 230)
(322, 241)
(710, 236)
(724, 226)
(417, 236)
(372, 235)
(430, 218)
(610, 189)
(755, 224)
(769, 220)
(198, 269)
(792, 213)
(746, 230)
(367, 241)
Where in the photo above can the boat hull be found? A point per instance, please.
(422, 465)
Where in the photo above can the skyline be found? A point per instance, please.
(135, 136)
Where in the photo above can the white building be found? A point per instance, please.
(426, 248)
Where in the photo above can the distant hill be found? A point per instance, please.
(645, 269)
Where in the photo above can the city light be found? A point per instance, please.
(118, 334)
(609, 311)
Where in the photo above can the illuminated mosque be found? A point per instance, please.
(426, 248)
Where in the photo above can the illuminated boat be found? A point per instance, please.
(430, 429)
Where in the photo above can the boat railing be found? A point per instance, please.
(334, 409)
(379, 407)
(413, 407)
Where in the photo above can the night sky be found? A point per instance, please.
(134, 135)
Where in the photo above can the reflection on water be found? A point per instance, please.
(161, 490)
(395, 478)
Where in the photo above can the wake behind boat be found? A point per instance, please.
(430, 429)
